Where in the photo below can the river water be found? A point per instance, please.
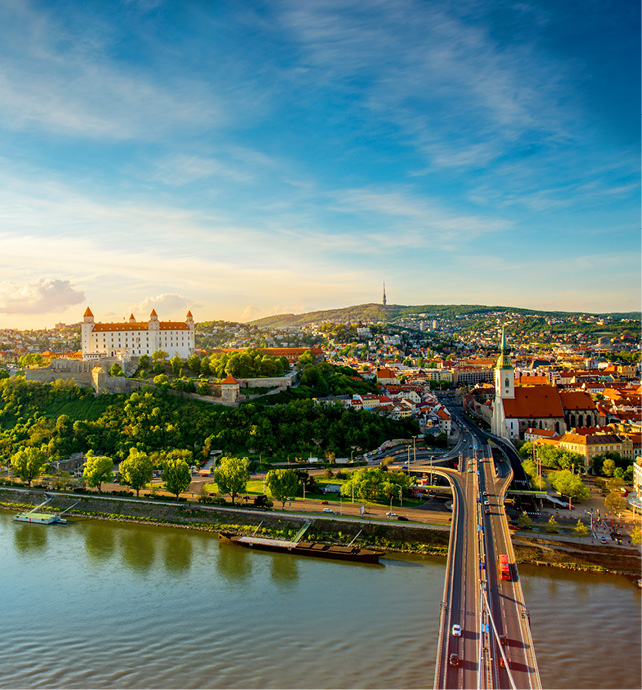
(114, 605)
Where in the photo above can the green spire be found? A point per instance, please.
(503, 361)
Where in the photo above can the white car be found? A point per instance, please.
(328, 510)
(456, 630)
(391, 514)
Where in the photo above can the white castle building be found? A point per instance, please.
(136, 338)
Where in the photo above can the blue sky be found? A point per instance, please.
(248, 158)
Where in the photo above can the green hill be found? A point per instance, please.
(393, 312)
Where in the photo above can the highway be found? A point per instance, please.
(495, 649)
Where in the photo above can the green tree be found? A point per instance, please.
(581, 530)
(28, 464)
(161, 379)
(194, 363)
(98, 469)
(568, 484)
(136, 469)
(305, 359)
(116, 370)
(144, 362)
(232, 475)
(176, 474)
(636, 535)
(524, 521)
(159, 355)
(552, 526)
(615, 502)
(176, 364)
(608, 467)
(203, 388)
(283, 484)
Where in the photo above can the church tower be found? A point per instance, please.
(385, 301)
(504, 388)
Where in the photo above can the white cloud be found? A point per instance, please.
(166, 305)
(40, 297)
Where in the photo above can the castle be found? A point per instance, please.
(136, 338)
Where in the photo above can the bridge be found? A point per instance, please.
(495, 648)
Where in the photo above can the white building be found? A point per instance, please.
(137, 338)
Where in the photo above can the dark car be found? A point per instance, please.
(324, 503)
(453, 660)
(403, 518)
(487, 511)
(502, 639)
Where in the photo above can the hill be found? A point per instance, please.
(393, 312)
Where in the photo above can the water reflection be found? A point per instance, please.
(285, 571)
(178, 553)
(100, 543)
(138, 550)
(30, 538)
(234, 563)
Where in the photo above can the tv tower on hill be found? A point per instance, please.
(385, 301)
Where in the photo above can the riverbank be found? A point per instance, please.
(402, 538)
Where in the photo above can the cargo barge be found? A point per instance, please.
(349, 552)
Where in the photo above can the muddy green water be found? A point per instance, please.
(111, 605)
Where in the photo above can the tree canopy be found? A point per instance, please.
(136, 469)
(28, 464)
(232, 475)
(98, 469)
(176, 474)
(283, 484)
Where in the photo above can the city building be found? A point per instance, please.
(135, 338)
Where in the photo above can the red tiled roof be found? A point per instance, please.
(534, 403)
(576, 400)
(88, 312)
(229, 379)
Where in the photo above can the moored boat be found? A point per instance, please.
(349, 552)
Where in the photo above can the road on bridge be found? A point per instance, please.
(495, 649)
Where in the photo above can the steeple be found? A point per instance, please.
(503, 361)
(385, 301)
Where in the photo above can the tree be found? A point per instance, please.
(608, 467)
(116, 370)
(232, 475)
(144, 362)
(306, 358)
(283, 484)
(194, 363)
(176, 474)
(159, 355)
(176, 364)
(28, 463)
(636, 535)
(615, 502)
(552, 525)
(203, 388)
(161, 379)
(98, 469)
(524, 521)
(568, 484)
(136, 469)
(581, 530)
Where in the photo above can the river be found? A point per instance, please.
(115, 605)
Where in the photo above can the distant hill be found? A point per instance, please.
(393, 312)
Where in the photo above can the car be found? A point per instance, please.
(603, 540)
(485, 493)
(403, 518)
(456, 631)
(328, 510)
(453, 660)
(487, 511)
(390, 514)
(502, 639)
(486, 503)
(324, 503)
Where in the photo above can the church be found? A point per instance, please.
(518, 408)
(135, 338)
